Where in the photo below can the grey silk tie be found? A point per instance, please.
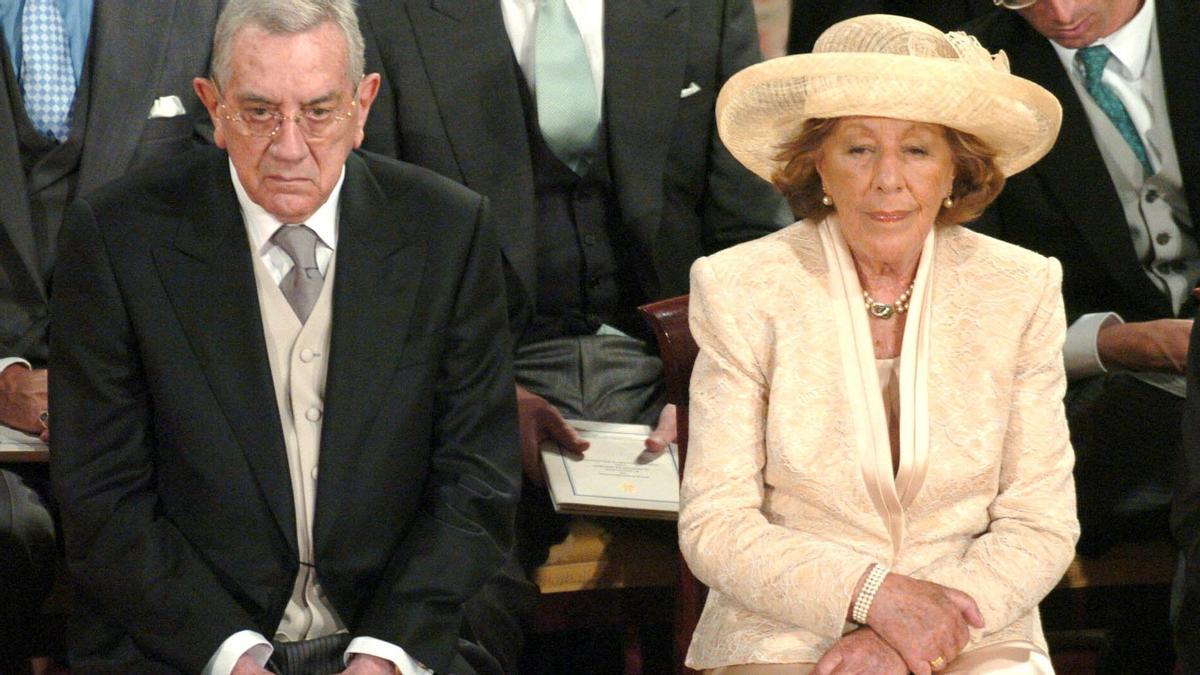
(302, 284)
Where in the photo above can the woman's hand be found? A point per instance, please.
(861, 651)
(927, 624)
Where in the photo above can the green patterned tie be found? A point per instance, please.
(1093, 60)
(567, 106)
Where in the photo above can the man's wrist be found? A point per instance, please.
(1081, 351)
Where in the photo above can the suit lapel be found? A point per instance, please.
(128, 39)
(1098, 213)
(481, 112)
(209, 277)
(1179, 51)
(645, 52)
(374, 293)
(14, 202)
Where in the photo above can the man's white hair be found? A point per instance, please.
(286, 17)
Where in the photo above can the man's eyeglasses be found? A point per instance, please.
(315, 123)
(1015, 4)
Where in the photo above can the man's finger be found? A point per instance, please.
(552, 425)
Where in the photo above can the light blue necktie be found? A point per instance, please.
(1093, 60)
(47, 78)
(567, 106)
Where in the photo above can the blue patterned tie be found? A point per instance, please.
(568, 112)
(47, 79)
(1093, 60)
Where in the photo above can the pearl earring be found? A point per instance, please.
(948, 201)
(827, 200)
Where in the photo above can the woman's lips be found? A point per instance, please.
(889, 216)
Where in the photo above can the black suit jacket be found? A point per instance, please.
(138, 52)
(1065, 205)
(810, 18)
(451, 102)
(168, 456)
(1185, 518)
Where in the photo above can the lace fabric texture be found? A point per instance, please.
(777, 516)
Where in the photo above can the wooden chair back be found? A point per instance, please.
(669, 320)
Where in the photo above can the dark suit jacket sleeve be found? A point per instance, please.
(739, 206)
(1185, 515)
(463, 531)
(123, 554)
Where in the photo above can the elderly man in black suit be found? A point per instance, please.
(285, 426)
(88, 90)
(590, 126)
(1116, 201)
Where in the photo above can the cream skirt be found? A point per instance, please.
(1005, 658)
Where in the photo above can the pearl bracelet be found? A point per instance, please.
(862, 602)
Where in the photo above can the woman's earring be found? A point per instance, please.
(948, 201)
(826, 200)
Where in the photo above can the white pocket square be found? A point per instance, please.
(167, 106)
(689, 90)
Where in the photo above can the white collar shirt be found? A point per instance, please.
(260, 226)
(1125, 73)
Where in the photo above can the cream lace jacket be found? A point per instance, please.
(787, 498)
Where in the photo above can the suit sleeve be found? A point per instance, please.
(125, 557)
(1185, 514)
(804, 580)
(463, 531)
(1031, 539)
(739, 206)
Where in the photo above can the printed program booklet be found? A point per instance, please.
(616, 476)
(18, 445)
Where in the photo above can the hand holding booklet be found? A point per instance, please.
(616, 476)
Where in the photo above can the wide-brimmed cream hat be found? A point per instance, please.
(888, 66)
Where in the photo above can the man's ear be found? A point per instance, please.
(368, 89)
(206, 89)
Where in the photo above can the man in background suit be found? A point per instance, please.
(284, 417)
(1187, 519)
(590, 127)
(124, 99)
(1117, 200)
(810, 18)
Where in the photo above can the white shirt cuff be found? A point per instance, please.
(1080, 355)
(241, 642)
(12, 360)
(386, 650)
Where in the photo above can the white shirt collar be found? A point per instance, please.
(1130, 44)
(260, 225)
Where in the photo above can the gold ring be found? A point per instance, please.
(938, 663)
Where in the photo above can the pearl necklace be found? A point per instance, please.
(881, 310)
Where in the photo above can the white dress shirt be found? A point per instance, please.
(260, 226)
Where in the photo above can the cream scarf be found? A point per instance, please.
(862, 380)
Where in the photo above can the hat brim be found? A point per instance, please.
(765, 105)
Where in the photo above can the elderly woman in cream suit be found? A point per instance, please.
(880, 472)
